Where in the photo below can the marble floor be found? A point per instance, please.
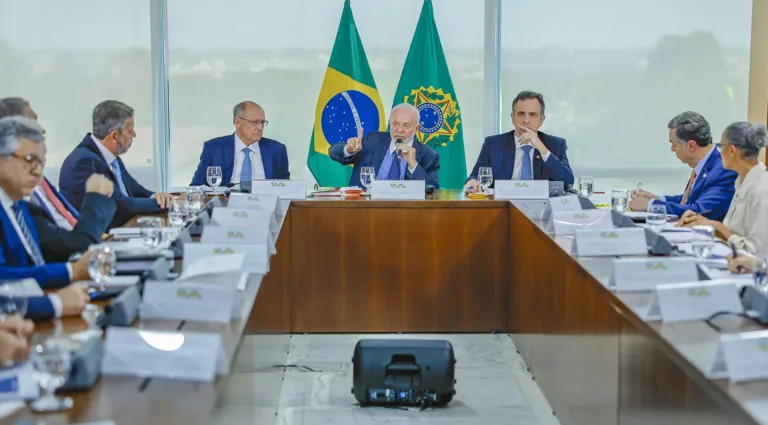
(493, 385)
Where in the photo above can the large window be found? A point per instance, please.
(613, 73)
(276, 52)
(67, 56)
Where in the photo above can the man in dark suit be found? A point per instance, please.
(710, 188)
(525, 153)
(99, 152)
(266, 159)
(394, 155)
(22, 156)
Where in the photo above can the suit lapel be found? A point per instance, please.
(508, 155)
(124, 175)
(16, 250)
(89, 144)
(380, 149)
(266, 159)
(229, 160)
(63, 200)
(41, 202)
(701, 180)
(538, 165)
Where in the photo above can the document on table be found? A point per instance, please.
(719, 250)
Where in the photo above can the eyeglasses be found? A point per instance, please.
(31, 160)
(263, 123)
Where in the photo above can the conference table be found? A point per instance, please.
(448, 264)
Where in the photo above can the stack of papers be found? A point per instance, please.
(335, 191)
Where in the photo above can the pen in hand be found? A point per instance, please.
(639, 186)
(739, 269)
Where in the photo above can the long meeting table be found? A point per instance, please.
(448, 264)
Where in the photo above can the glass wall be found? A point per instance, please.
(276, 52)
(613, 74)
(67, 56)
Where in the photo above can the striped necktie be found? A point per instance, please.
(21, 219)
(394, 168)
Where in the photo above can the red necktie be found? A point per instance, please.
(688, 188)
(57, 203)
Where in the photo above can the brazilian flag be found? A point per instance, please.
(348, 101)
(426, 84)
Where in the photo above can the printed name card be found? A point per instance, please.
(189, 356)
(680, 302)
(253, 201)
(285, 189)
(249, 219)
(560, 203)
(609, 242)
(741, 357)
(521, 189)
(565, 223)
(225, 270)
(188, 301)
(398, 189)
(256, 256)
(18, 383)
(643, 274)
(238, 236)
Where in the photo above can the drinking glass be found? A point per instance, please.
(194, 200)
(586, 186)
(213, 176)
(51, 356)
(151, 231)
(101, 266)
(657, 217)
(619, 200)
(485, 177)
(91, 314)
(12, 301)
(703, 240)
(367, 176)
(177, 214)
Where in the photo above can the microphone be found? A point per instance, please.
(398, 142)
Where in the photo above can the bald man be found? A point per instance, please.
(394, 155)
(245, 155)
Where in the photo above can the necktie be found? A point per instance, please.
(57, 203)
(394, 168)
(35, 254)
(688, 188)
(527, 174)
(119, 176)
(246, 173)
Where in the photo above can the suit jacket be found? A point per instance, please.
(57, 244)
(38, 308)
(375, 148)
(85, 160)
(221, 151)
(72, 210)
(498, 152)
(15, 263)
(711, 193)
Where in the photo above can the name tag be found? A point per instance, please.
(560, 203)
(245, 218)
(188, 301)
(741, 357)
(18, 383)
(256, 256)
(239, 236)
(565, 223)
(189, 356)
(285, 189)
(680, 302)
(521, 189)
(213, 270)
(610, 242)
(643, 274)
(253, 201)
(401, 189)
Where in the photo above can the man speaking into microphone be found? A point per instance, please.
(394, 155)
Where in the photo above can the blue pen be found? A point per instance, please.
(739, 269)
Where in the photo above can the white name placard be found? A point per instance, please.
(521, 189)
(565, 223)
(741, 357)
(643, 274)
(285, 189)
(249, 219)
(610, 242)
(256, 256)
(560, 203)
(190, 356)
(188, 301)
(398, 189)
(680, 302)
(253, 201)
(19, 383)
(238, 236)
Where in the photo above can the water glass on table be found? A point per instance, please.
(213, 176)
(194, 201)
(12, 301)
(102, 264)
(657, 217)
(703, 240)
(485, 178)
(586, 186)
(51, 356)
(619, 200)
(367, 176)
(177, 214)
(151, 231)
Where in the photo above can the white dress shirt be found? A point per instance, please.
(257, 165)
(746, 217)
(60, 220)
(392, 147)
(7, 203)
(517, 172)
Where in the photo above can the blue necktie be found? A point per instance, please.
(246, 173)
(394, 168)
(36, 256)
(526, 174)
(119, 176)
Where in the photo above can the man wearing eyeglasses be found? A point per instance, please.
(22, 156)
(245, 155)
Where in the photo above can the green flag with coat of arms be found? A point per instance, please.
(426, 84)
